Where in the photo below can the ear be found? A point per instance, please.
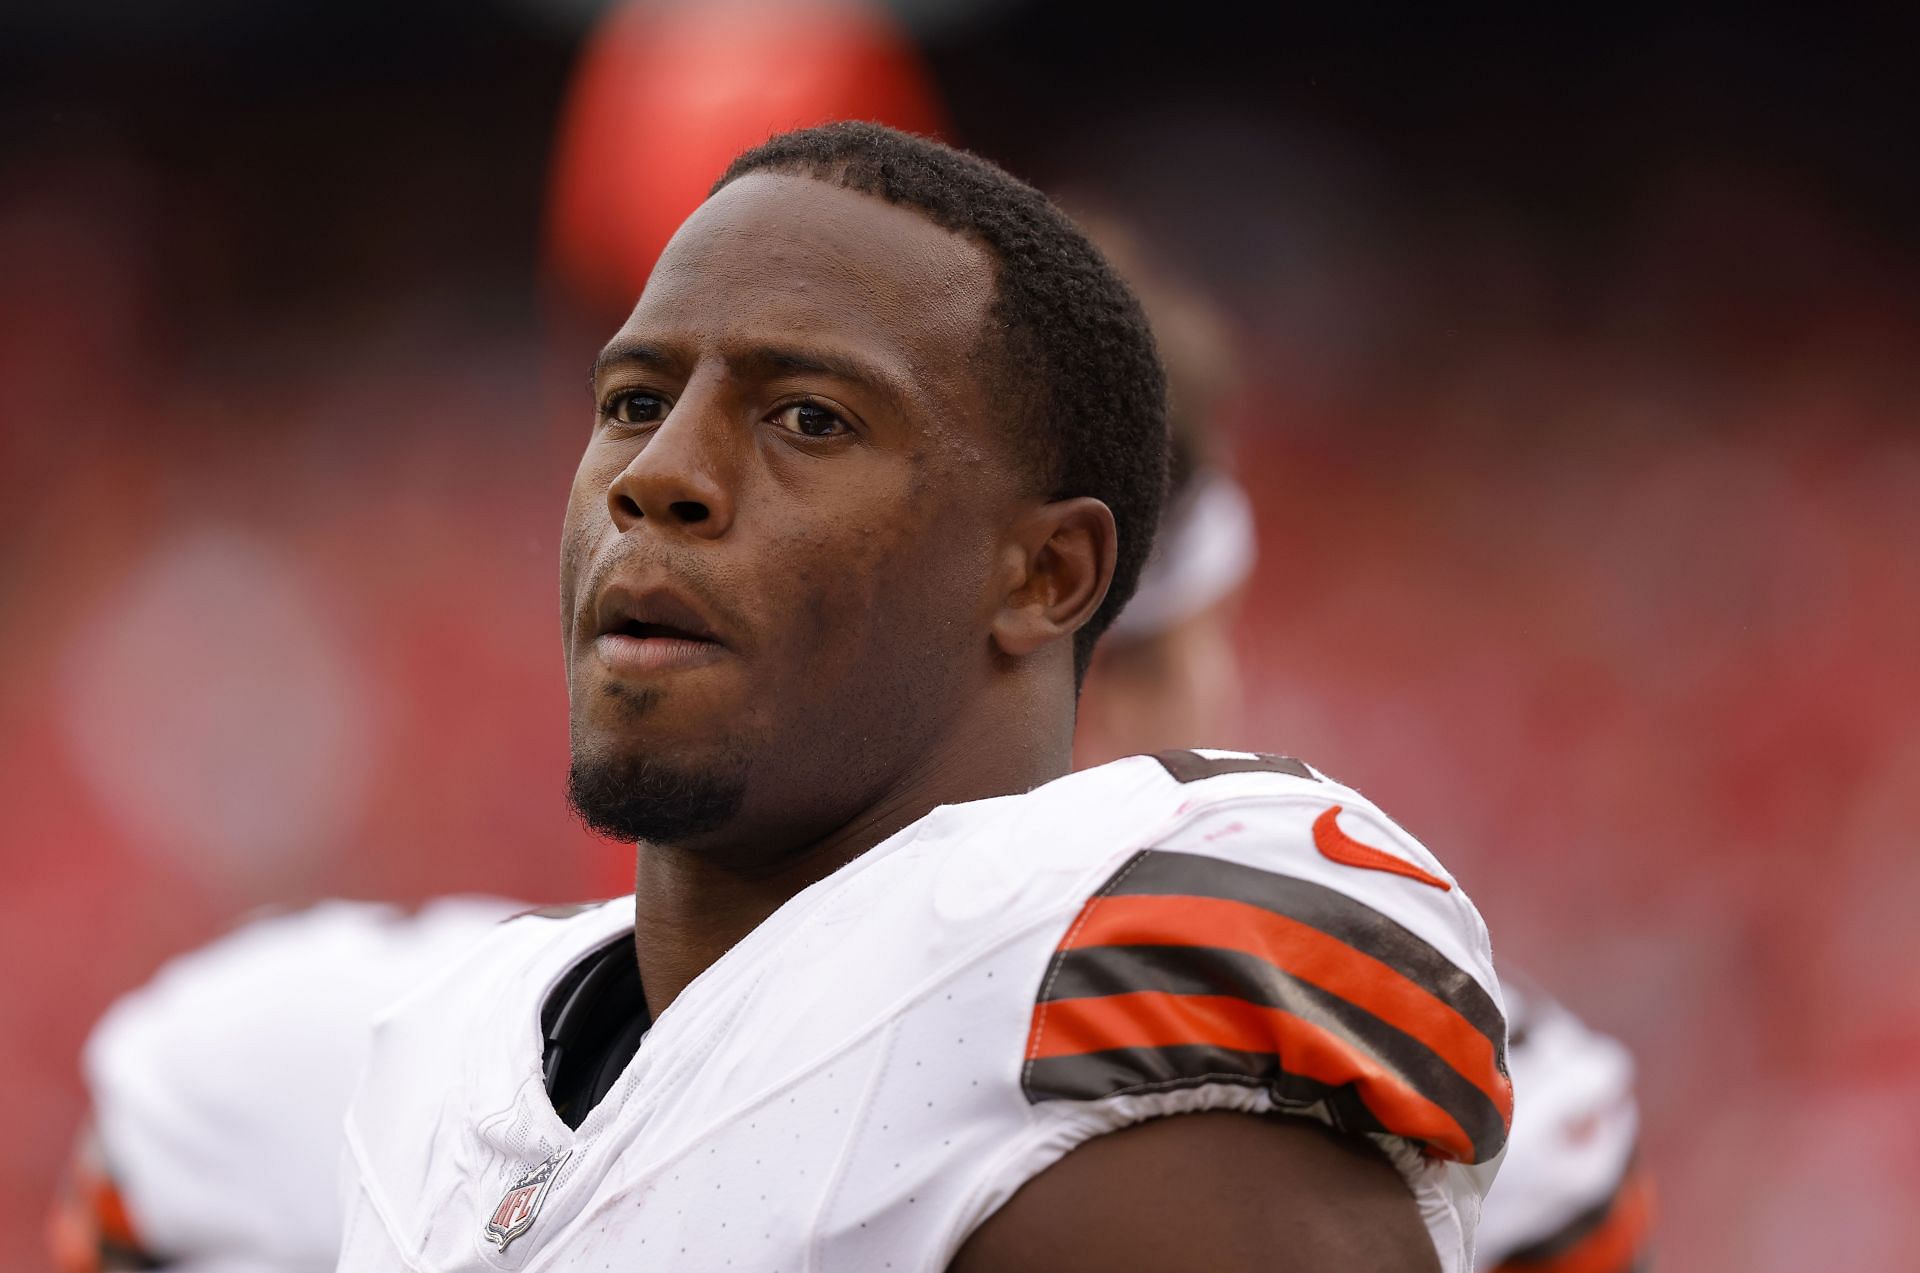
(1059, 565)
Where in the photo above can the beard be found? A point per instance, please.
(635, 797)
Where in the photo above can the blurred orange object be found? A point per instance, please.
(665, 97)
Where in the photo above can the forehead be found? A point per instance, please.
(775, 258)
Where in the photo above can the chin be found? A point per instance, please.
(634, 790)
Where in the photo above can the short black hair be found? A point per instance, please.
(1074, 345)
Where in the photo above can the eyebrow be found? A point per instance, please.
(765, 361)
(627, 351)
(772, 361)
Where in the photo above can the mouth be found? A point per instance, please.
(641, 630)
(652, 630)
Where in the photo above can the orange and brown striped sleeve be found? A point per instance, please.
(1187, 970)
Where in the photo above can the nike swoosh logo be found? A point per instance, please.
(1337, 846)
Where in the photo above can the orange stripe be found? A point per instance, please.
(1154, 1019)
(1312, 956)
(110, 1209)
(89, 1216)
(1613, 1246)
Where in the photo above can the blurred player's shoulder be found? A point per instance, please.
(1572, 1194)
(218, 1087)
(920, 1033)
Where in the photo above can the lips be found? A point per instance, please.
(643, 632)
(651, 614)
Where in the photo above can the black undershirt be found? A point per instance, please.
(592, 1023)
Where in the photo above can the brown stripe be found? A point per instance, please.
(1307, 953)
(118, 1256)
(1191, 766)
(1159, 872)
(1098, 971)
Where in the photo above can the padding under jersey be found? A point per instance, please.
(1572, 1197)
(869, 1074)
(218, 1088)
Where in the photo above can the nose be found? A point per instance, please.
(683, 476)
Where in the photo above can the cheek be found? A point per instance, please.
(894, 586)
(580, 530)
(842, 582)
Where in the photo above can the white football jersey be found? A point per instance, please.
(219, 1087)
(871, 1072)
(190, 1078)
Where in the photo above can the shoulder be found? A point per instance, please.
(491, 991)
(1264, 812)
(220, 1022)
(1571, 1187)
(1239, 932)
(467, 1035)
(516, 956)
(1283, 934)
(277, 983)
(246, 1049)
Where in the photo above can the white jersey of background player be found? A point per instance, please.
(219, 1087)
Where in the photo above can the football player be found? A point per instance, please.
(1565, 1200)
(878, 455)
(1194, 932)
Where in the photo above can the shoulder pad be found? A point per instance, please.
(1261, 944)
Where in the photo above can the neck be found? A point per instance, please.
(691, 905)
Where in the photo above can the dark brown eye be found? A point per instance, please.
(637, 408)
(810, 419)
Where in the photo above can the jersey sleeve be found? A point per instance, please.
(1290, 942)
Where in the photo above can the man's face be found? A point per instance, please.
(797, 460)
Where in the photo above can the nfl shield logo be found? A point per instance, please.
(521, 1205)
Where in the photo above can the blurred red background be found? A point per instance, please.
(1581, 413)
